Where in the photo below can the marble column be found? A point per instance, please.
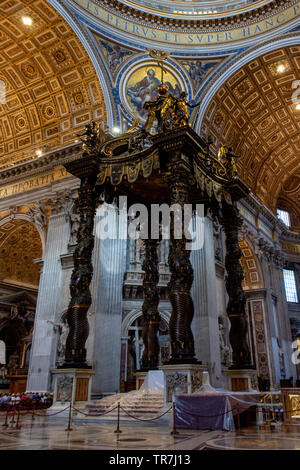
(108, 307)
(204, 293)
(43, 354)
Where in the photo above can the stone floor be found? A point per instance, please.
(50, 434)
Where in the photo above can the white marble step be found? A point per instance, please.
(144, 405)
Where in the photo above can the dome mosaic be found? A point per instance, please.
(196, 7)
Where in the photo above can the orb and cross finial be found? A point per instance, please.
(160, 56)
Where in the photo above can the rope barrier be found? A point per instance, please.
(259, 407)
(140, 419)
(28, 410)
(91, 414)
(53, 414)
(144, 419)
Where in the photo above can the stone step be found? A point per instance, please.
(140, 404)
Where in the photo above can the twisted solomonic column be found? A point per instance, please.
(181, 336)
(151, 317)
(80, 302)
(236, 310)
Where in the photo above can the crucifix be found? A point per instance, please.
(160, 56)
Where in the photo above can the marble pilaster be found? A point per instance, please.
(108, 308)
(94, 292)
(205, 323)
(284, 324)
(48, 311)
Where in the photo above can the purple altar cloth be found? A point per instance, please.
(212, 410)
(207, 411)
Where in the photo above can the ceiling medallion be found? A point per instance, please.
(48, 111)
(78, 98)
(59, 56)
(144, 83)
(20, 123)
(29, 70)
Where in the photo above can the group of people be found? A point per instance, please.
(24, 400)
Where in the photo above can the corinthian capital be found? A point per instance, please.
(60, 202)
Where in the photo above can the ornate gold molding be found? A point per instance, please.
(35, 182)
(191, 31)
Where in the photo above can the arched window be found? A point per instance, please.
(290, 285)
(284, 216)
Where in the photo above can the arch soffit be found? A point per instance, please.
(261, 170)
(136, 313)
(251, 263)
(26, 218)
(209, 91)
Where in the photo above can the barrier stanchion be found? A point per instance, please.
(5, 425)
(32, 415)
(118, 431)
(70, 417)
(18, 426)
(238, 417)
(13, 416)
(174, 430)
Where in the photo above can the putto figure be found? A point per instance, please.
(169, 111)
(227, 158)
(93, 138)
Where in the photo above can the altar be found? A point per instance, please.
(212, 410)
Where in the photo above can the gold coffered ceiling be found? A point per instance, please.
(253, 112)
(20, 244)
(51, 86)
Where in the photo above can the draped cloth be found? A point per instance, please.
(212, 410)
(204, 411)
(154, 382)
